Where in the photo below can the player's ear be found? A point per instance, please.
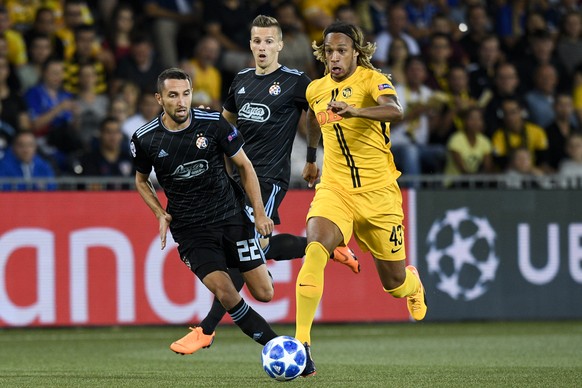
(281, 44)
(158, 98)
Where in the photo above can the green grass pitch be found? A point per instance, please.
(475, 354)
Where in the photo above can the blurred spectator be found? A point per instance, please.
(540, 100)
(317, 15)
(130, 92)
(118, 34)
(51, 111)
(22, 161)
(542, 52)
(13, 80)
(505, 85)
(508, 16)
(441, 24)
(577, 93)
(420, 14)
(111, 157)
(458, 99)
(12, 106)
(83, 54)
(148, 109)
(170, 20)
(75, 14)
(21, 13)
(118, 109)
(469, 151)
(372, 15)
(482, 72)
(479, 27)
(397, 56)
(438, 61)
(516, 132)
(141, 67)
(569, 44)
(571, 168)
(297, 52)
(45, 24)
(565, 123)
(206, 78)
(15, 42)
(347, 14)
(91, 105)
(229, 22)
(397, 23)
(413, 154)
(522, 173)
(39, 51)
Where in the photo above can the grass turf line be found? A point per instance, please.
(489, 354)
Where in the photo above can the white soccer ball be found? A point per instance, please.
(284, 358)
(462, 254)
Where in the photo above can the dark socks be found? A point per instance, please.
(217, 311)
(251, 323)
(285, 247)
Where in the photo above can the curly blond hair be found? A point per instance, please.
(365, 49)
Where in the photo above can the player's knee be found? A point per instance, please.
(264, 294)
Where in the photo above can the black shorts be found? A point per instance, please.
(208, 248)
(272, 195)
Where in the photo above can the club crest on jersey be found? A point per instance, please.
(201, 142)
(347, 92)
(252, 111)
(275, 89)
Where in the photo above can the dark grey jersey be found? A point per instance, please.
(268, 108)
(189, 165)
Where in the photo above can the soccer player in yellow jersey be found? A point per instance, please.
(352, 107)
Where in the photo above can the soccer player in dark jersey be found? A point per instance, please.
(352, 107)
(186, 147)
(266, 103)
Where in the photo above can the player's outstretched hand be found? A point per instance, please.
(310, 173)
(164, 224)
(264, 225)
(342, 109)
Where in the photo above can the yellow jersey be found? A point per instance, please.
(357, 155)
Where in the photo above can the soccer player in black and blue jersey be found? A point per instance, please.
(186, 148)
(266, 103)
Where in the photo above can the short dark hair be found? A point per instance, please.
(172, 73)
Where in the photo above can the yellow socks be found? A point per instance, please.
(409, 287)
(309, 289)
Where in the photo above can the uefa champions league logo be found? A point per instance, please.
(462, 255)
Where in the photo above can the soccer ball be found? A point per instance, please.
(284, 358)
(462, 254)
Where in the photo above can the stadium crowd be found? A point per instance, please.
(487, 87)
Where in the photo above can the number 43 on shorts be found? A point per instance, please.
(397, 238)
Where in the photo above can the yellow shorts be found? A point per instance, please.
(375, 218)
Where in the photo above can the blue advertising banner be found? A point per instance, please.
(500, 254)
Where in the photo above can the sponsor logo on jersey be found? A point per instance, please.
(190, 170)
(347, 92)
(254, 112)
(384, 86)
(201, 142)
(275, 89)
(241, 90)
